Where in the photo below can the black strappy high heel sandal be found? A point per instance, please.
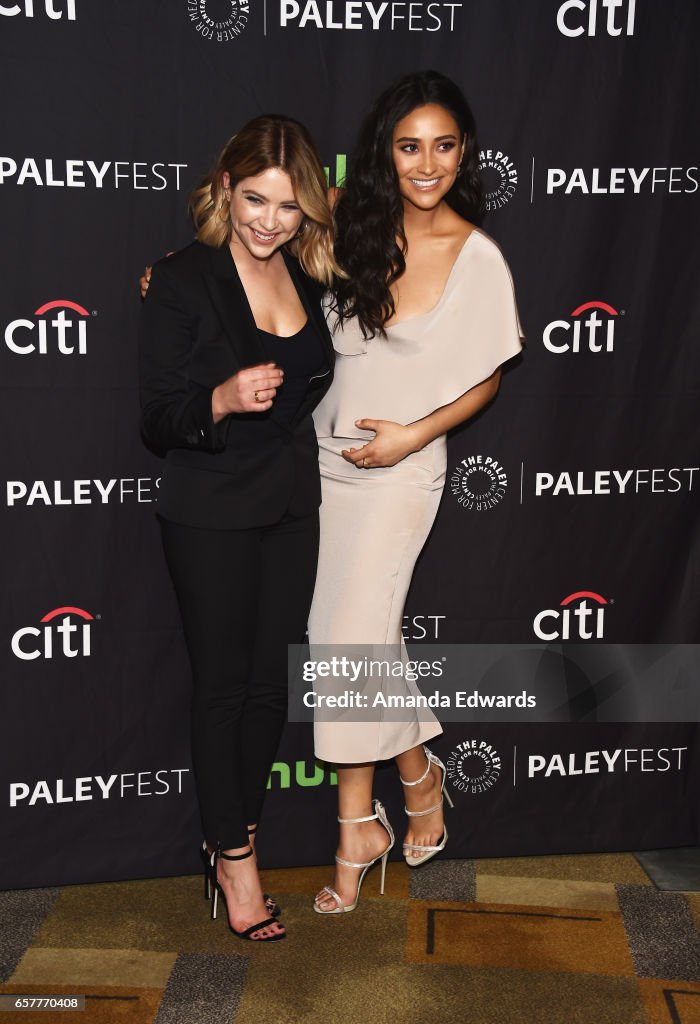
(271, 905)
(247, 933)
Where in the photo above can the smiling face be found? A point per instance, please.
(427, 148)
(264, 212)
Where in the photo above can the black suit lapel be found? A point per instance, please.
(230, 301)
(231, 304)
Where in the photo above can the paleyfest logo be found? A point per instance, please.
(219, 20)
(51, 172)
(53, 493)
(595, 482)
(371, 15)
(618, 181)
(499, 176)
(98, 787)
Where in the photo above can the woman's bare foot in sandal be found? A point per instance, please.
(362, 842)
(426, 834)
(271, 904)
(237, 876)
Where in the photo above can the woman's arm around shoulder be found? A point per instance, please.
(176, 412)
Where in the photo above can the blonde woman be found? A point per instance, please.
(234, 356)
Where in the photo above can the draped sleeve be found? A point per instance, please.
(429, 360)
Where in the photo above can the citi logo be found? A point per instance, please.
(58, 332)
(52, 638)
(579, 17)
(27, 9)
(595, 333)
(580, 616)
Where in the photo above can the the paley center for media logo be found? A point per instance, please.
(479, 482)
(474, 766)
(219, 21)
(499, 177)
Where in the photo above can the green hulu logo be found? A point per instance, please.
(282, 773)
(340, 167)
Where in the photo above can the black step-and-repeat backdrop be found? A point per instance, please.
(570, 511)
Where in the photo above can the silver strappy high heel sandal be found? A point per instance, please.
(428, 851)
(380, 814)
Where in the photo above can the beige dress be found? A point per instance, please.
(374, 522)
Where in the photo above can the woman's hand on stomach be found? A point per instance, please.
(391, 443)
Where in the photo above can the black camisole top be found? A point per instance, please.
(301, 357)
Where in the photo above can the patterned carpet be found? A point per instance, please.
(546, 940)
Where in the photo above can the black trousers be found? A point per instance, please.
(243, 596)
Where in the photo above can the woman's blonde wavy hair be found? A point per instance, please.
(266, 142)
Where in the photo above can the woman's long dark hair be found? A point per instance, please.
(369, 213)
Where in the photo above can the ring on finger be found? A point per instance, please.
(365, 464)
(256, 396)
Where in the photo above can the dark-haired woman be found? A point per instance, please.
(423, 321)
(235, 354)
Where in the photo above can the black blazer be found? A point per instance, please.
(197, 329)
